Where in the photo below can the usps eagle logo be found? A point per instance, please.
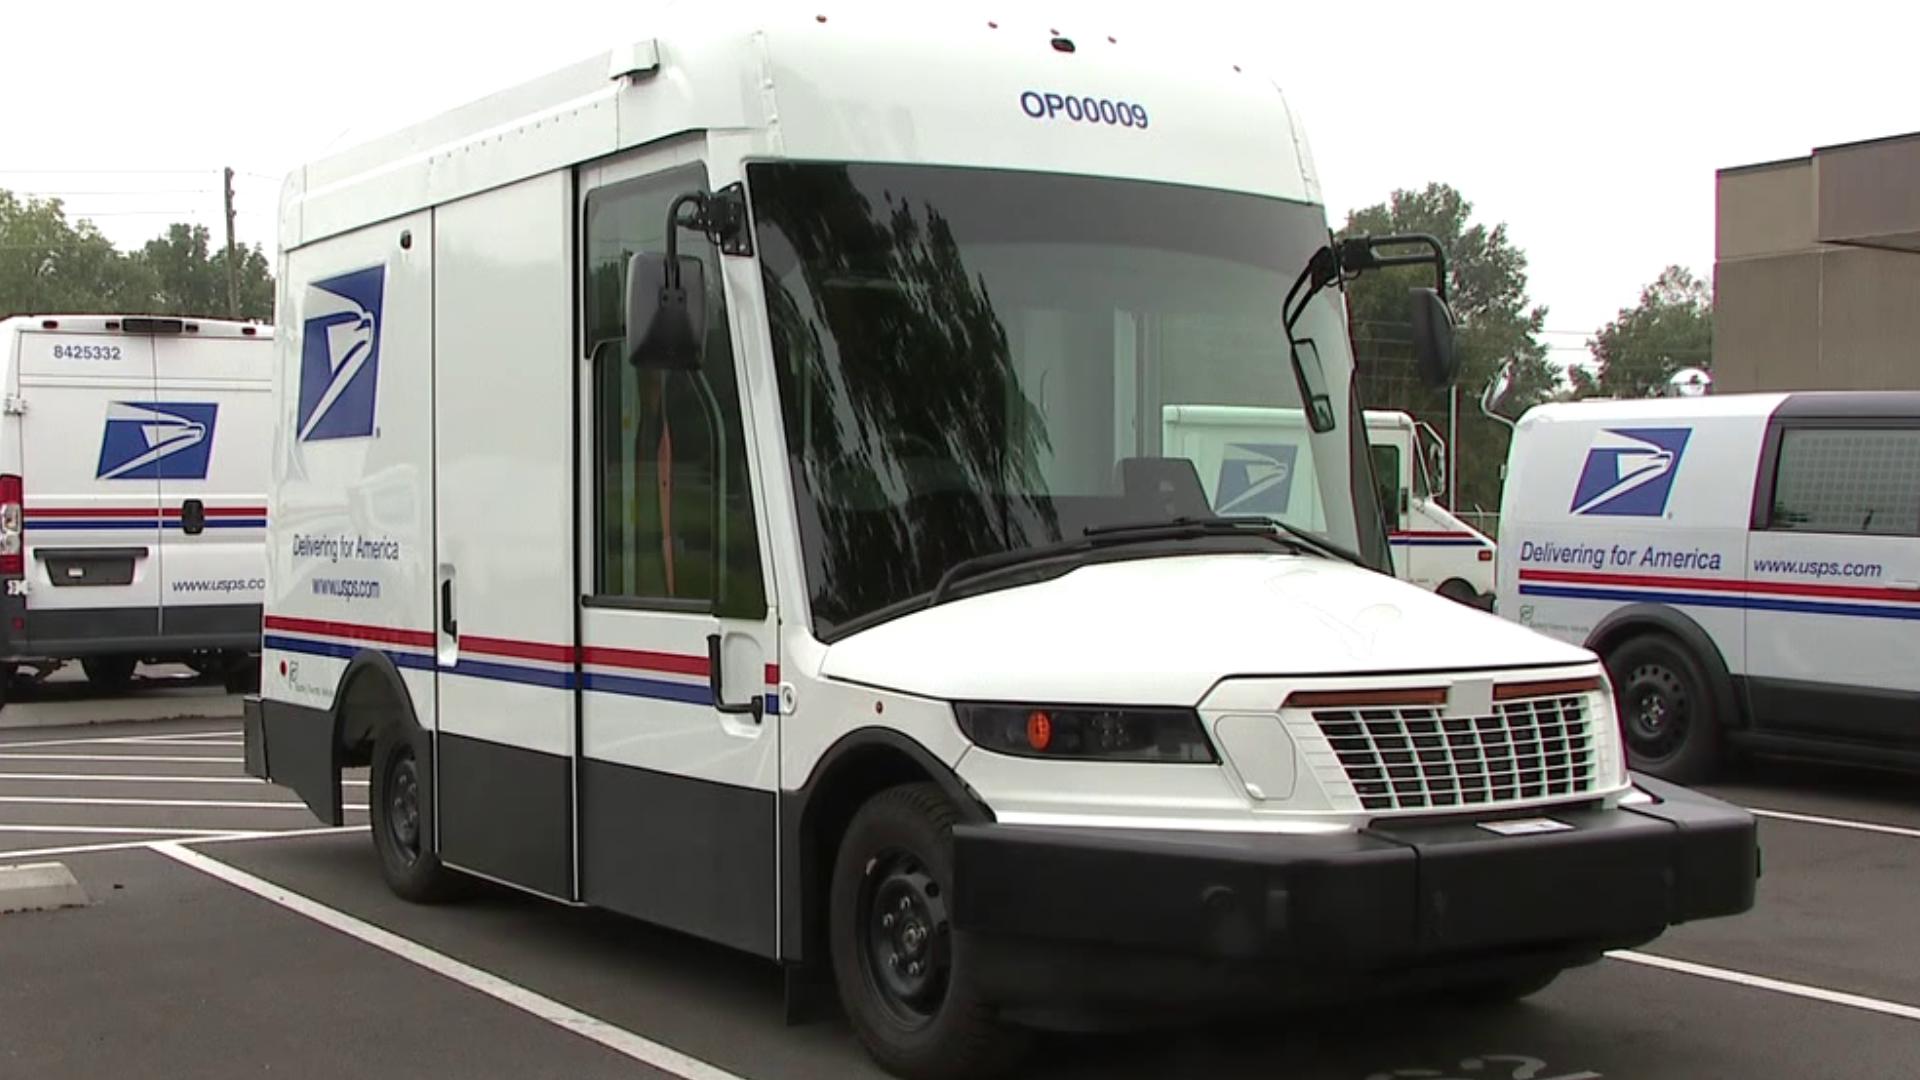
(340, 355)
(1629, 472)
(157, 440)
(1255, 478)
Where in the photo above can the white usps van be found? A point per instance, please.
(1748, 565)
(133, 478)
(1255, 460)
(725, 482)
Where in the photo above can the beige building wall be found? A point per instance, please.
(1817, 271)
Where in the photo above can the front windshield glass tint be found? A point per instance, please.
(975, 361)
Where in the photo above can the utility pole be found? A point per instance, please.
(233, 287)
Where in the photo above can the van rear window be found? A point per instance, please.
(1843, 480)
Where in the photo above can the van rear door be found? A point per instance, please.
(213, 493)
(90, 449)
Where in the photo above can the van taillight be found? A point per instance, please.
(12, 540)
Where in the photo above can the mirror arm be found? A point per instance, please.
(1358, 254)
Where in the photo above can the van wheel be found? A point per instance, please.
(1505, 990)
(1666, 709)
(1462, 593)
(403, 821)
(110, 673)
(902, 972)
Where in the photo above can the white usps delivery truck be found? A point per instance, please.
(1748, 565)
(725, 482)
(1259, 460)
(133, 475)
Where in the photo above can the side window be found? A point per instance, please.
(1386, 474)
(673, 512)
(1848, 481)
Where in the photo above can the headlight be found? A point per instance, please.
(1087, 733)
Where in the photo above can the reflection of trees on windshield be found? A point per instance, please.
(901, 389)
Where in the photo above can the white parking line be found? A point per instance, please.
(82, 849)
(1757, 982)
(618, 1039)
(109, 830)
(123, 778)
(279, 834)
(103, 740)
(163, 759)
(182, 736)
(1837, 823)
(184, 744)
(220, 804)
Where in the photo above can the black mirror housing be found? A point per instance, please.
(1433, 338)
(666, 312)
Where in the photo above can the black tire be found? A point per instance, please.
(1667, 709)
(110, 673)
(1504, 990)
(403, 820)
(1460, 592)
(903, 974)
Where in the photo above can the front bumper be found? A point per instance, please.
(1111, 915)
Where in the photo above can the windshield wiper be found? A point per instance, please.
(1321, 544)
(1104, 536)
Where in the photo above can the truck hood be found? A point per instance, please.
(1163, 631)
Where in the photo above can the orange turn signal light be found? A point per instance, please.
(1039, 730)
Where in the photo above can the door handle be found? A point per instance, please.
(449, 625)
(193, 517)
(755, 707)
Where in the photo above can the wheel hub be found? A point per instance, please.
(403, 806)
(906, 939)
(1657, 711)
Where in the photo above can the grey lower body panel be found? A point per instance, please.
(294, 746)
(66, 633)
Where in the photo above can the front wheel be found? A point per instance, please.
(1666, 709)
(402, 822)
(902, 972)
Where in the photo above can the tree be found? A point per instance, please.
(1581, 383)
(1671, 328)
(48, 264)
(1487, 288)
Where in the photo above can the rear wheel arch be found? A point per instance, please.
(1631, 621)
(371, 697)
(814, 818)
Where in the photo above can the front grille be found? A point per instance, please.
(1407, 758)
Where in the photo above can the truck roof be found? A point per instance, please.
(1811, 404)
(117, 324)
(822, 83)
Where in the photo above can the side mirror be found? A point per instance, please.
(1497, 389)
(1433, 338)
(666, 312)
(1436, 463)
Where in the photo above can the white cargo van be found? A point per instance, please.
(133, 474)
(725, 482)
(1255, 460)
(1748, 565)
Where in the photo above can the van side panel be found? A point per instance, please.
(503, 431)
(350, 509)
(214, 505)
(1832, 639)
(1630, 503)
(89, 467)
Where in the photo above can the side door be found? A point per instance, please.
(503, 527)
(92, 449)
(1833, 605)
(217, 390)
(679, 759)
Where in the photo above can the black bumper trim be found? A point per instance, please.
(1389, 898)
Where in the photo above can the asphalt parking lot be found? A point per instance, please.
(228, 935)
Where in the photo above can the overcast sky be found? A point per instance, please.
(1593, 132)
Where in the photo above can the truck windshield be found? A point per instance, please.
(974, 361)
